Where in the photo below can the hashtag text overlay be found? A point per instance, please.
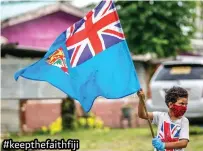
(70, 144)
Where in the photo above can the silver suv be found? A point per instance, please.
(187, 74)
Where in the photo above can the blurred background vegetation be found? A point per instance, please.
(159, 27)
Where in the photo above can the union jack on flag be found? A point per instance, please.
(169, 133)
(97, 31)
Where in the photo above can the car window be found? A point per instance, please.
(180, 72)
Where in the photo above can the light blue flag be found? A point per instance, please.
(90, 59)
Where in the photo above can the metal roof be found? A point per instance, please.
(15, 13)
(13, 9)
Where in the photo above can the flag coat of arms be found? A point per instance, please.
(89, 59)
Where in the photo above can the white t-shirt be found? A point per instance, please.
(169, 130)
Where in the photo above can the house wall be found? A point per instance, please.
(10, 121)
(37, 112)
(142, 74)
(24, 88)
(12, 91)
(31, 116)
(40, 113)
(110, 112)
(40, 32)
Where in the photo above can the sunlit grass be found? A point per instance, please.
(136, 139)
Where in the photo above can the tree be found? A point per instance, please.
(160, 27)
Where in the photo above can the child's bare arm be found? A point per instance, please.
(141, 111)
(158, 144)
(176, 145)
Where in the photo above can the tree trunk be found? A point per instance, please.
(68, 113)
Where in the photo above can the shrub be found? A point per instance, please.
(92, 122)
(54, 127)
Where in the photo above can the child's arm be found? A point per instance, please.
(176, 145)
(141, 111)
(158, 144)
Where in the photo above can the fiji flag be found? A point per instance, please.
(90, 59)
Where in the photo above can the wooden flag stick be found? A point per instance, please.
(149, 122)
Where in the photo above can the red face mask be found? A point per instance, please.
(178, 110)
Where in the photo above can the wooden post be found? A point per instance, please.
(22, 114)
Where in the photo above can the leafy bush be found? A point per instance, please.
(92, 122)
(54, 127)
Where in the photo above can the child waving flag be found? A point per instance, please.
(89, 59)
(173, 126)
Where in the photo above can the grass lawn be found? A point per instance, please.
(137, 139)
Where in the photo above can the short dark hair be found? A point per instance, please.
(174, 93)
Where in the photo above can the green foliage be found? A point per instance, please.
(196, 130)
(92, 122)
(160, 27)
(52, 129)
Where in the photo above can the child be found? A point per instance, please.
(173, 127)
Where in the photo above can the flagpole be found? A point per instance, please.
(149, 122)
